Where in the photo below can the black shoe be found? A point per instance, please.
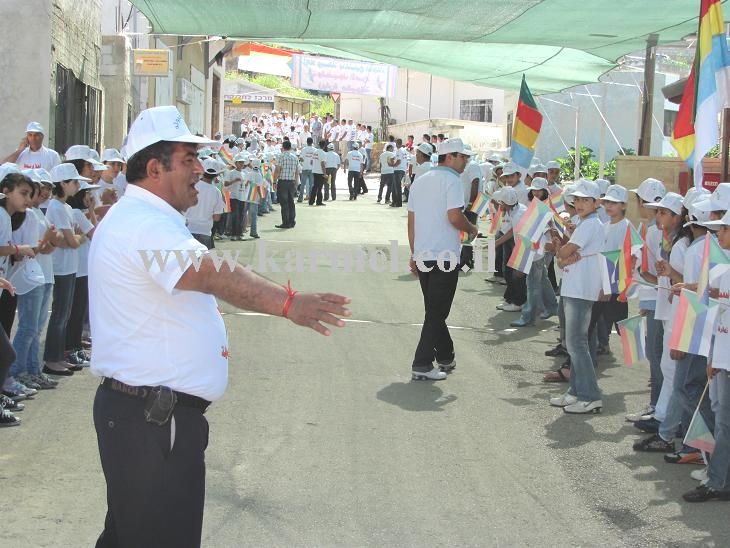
(321, 204)
(62, 373)
(654, 444)
(703, 493)
(651, 426)
(559, 350)
(10, 404)
(281, 226)
(8, 419)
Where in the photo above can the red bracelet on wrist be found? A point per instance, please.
(17, 251)
(290, 297)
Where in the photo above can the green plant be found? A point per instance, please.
(589, 166)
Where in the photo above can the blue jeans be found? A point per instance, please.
(368, 159)
(719, 468)
(252, 209)
(27, 337)
(654, 349)
(305, 186)
(540, 294)
(581, 348)
(63, 295)
(690, 377)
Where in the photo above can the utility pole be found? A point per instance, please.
(648, 95)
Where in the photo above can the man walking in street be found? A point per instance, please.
(164, 358)
(286, 173)
(435, 217)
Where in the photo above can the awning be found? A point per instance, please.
(556, 43)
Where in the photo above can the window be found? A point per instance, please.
(670, 117)
(476, 110)
(77, 112)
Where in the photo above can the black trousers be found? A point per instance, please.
(316, 189)
(386, 182)
(155, 492)
(398, 176)
(286, 190)
(79, 309)
(353, 183)
(361, 187)
(438, 288)
(7, 355)
(330, 187)
(8, 305)
(516, 291)
(237, 217)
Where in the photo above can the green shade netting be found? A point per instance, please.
(556, 43)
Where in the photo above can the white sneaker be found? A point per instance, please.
(562, 401)
(501, 305)
(509, 307)
(699, 475)
(643, 415)
(434, 375)
(583, 407)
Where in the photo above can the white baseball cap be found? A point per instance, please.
(725, 221)
(66, 172)
(494, 157)
(650, 190)
(240, 157)
(552, 164)
(211, 166)
(455, 145)
(78, 152)
(586, 189)
(697, 216)
(44, 176)
(111, 155)
(34, 127)
(7, 168)
(538, 168)
(538, 183)
(330, 146)
(425, 148)
(159, 124)
(255, 163)
(507, 195)
(722, 194)
(603, 185)
(32, 175)
(709, 205)
(567, 189)
(693, 195)
(509, 168)
(86, 186)
(671, 201)
(616, 193)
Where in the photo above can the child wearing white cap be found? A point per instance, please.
(515, 294)
(580, 288)
(650, 191)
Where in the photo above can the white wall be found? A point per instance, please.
(25, 86)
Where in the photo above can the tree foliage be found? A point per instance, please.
(589, 166)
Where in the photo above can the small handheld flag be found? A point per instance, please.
(633, 339)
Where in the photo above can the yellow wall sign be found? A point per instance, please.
(150, 62)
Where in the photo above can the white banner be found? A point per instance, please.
(341, 75)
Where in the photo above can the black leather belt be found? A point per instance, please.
(141, 393)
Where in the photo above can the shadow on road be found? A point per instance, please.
(415, 396)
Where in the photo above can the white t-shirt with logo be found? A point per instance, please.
(44, 259)
(402, 156)
(386, 169)
(65, 259)
(471, 172)
(581, 279)
(319, 157)
(210, 202)
(43, 158)
(436, 193)
(26, 234)
(354, 160)
(721, 348)
(308, 153)
(235, 190)
(370, 139)
(333, 160)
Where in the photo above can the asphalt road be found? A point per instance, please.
(326, 441)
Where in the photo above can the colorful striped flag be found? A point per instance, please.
(464, 237)
(523, 254)
(252, 193)
(706, 92)
(625, 273)
(693, 324)
(227, 200)
(633, 339)
(480, 203)
(559, 224)
(226, 155)
(557, 202)
(496, 222)
(609, 271)
(528, 121)
(698, 434)
(715, 262)
(533, 222)
(666, 248)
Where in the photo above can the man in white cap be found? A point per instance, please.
(165, 357)
(31, 153)
(435, 217)
(553, 177)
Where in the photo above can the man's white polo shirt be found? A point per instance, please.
(145, 331)
(437, 191)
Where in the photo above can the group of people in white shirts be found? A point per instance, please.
(48, 214)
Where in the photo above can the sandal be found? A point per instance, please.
(559, 375)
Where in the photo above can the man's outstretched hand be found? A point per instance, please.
(315, 309)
